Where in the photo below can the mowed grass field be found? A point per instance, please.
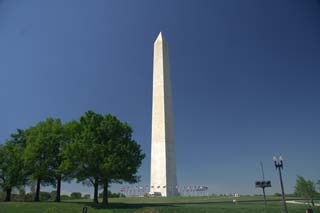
(152, 205)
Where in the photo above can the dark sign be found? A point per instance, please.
(263, 184)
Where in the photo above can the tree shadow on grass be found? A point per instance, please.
(121, 205)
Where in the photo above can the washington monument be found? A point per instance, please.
(163, 160)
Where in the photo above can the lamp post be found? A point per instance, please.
(278, 163)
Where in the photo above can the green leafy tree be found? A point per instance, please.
(305, 188)
(45, 196)
(65, 197)
(75, 195)
(86, 196)
(119, 155)
(62, 135)
(103, 153)
(80, 157)
(43, 143)
(12, 172)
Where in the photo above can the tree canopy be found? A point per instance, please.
(103, 152)
(44, 142)
(305, 188)
(12, 171)
(96, 149)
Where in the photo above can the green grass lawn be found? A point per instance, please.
(148, 205)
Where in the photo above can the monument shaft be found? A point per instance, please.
(163, 161)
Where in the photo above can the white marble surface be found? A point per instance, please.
(163, 161)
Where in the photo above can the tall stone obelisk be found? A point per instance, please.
(163, 159)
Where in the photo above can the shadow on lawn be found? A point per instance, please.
(120, 205)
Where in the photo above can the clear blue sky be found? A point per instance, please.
(245, 78)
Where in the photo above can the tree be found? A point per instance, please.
(65, 197)
(12, 172)
(75, 195)
(62, 135)
(86, 196)
(80, 157)
(53, 195)
(45, 196)
(305, 188)
(119, 155)
(103, 153)
(41, 153)
(45, 143)
(111, 194)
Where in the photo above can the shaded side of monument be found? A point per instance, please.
(163, 180)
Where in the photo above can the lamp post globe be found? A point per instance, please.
(278, 162)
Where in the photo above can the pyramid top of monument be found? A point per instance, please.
(160, 38)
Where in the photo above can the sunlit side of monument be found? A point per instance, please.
(163, 180)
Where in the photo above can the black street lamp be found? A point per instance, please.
(278, 163)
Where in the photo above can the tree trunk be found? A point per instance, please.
(58, 189)
(105, 194)
(37, 197)
(8, 195)
(95, 194)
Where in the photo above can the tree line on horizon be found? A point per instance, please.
(96, 150)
